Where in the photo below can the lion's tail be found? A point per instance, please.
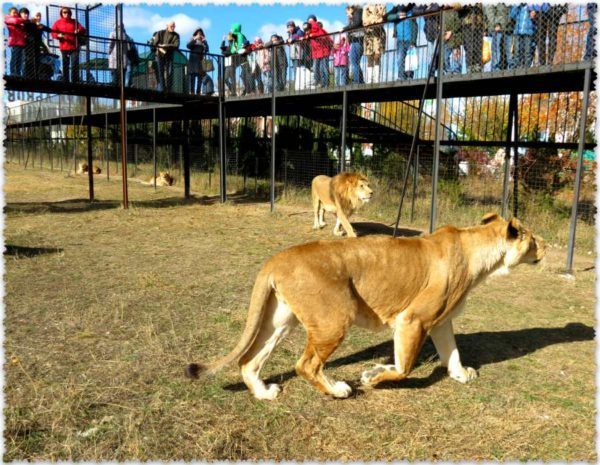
(260, 294)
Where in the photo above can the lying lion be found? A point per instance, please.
(163, 179)
(83, 169)
(415, 286)
(341, 195)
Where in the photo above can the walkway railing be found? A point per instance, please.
(499, 39)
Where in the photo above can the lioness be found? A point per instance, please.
(341, 195)
(83, 169)
(163, 179)
(415, 286)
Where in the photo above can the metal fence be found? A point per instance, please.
(388, 47)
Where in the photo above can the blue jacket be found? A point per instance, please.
(524, 25)
(406, 29)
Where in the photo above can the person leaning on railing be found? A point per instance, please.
(472, 30)
(356, 35)
(320, 49)
(590, 50)
(524, 33)
(70, 35)
(499, 26)
(295, 34)
(113, 57)
(453, 40)
(165, 42)
(280, 71)
(16, 41)
(546, 26)
(198, 47)
(406, 35)
(374, 41)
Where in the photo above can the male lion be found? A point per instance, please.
(415, 286)
(341, 195)
(163, 179)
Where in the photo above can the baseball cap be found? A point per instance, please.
(290, 23)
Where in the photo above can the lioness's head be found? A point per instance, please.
(522, 246)
(166, 177)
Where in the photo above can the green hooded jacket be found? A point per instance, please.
(238, 43)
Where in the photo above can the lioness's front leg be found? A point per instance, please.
(408, 339)
(445, 344)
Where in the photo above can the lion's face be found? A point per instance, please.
(363, 191)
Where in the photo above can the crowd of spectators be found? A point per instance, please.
(507, 36)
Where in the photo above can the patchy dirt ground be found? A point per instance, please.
(105, 306)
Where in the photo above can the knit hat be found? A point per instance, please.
(290, 23)
(313, 17)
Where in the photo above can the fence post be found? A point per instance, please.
(273, 71)
(573, 226)
(343, 130)
(222, 133)
(88, 116)
(512, 108)
(186, 158)
(438, 125)
(154, 161)
(123, 115)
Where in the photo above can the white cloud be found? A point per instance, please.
(135, 17)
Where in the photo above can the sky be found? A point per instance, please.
(141, 20)
(257, 19)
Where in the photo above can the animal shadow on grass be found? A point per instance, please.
(476, 349)
(369, 228)
(19, 251)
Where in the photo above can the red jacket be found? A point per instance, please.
(321, 47)
(67, 27)
(16, 30)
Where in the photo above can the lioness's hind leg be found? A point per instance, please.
(337, 229)
(310, 366)
(279, 321)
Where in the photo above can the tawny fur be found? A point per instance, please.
(413, 285)
(341, 195)
(163, 179)
(83, 169)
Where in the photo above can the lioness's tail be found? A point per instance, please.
(260, 294)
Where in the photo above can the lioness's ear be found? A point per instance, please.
(489, 217)
(515, 229)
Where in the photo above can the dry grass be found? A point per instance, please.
(105, 306)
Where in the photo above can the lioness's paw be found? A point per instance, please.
(341, 390)
(338, 233)
(465, 375)
(268, 394)
(369, 375)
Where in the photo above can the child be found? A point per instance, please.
(340, 61)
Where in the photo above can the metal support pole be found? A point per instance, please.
(222, 135)
(438, 125)
(343, 130)
(122, 107)
(154, 128)
(436, 53)
(106, 154)
(516, 163)
(512, 109)
(186, 158)
(90, 160)
(582, 122)
(272, 193)
(414, 186)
